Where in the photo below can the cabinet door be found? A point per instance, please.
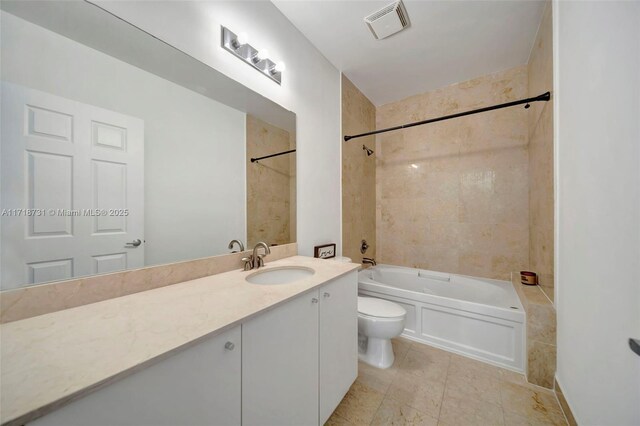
(338, 341)
(280, 365)
(197, 386)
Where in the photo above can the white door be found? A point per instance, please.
(72, 188)
(280, 365)
(197, 386)
(338, 341)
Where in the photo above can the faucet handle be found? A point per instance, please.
(248, 263)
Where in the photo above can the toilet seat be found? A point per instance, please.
(379, 308)
(379, 319)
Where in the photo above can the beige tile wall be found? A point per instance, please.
(41, 299)
(269, 184)
(541, 333)
(358, 174)
(540, 122)
(453, 196)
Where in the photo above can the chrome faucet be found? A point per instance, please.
(258, 259)
(369, 261)
(239, 243)
(255, 260)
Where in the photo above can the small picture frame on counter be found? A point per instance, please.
(325, 251)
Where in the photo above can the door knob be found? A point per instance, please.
(134, 243)
(229, 346)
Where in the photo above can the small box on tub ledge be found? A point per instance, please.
(528, 278)
(326, 251)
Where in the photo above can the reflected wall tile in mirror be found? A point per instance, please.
(270, 183)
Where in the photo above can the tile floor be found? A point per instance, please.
(428, 386)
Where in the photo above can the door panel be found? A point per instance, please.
(109, 263)
(338, 341)
(280, 365)
(109, 191)
(197, 386)
(50, 271)
(63, 160)
(108, 136)
(49, 186)
(49, 124)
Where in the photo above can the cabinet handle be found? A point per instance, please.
(314, 300)
(327, 295)
(229, 346)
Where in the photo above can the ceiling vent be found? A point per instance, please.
(388, 20)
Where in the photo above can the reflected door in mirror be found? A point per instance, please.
(72, 186)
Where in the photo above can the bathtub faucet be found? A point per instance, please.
(369, 260)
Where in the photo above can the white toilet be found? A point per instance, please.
(378, 322)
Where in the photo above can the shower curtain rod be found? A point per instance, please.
(544, 97)
(253, 160)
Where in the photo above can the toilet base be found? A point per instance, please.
(376, 352)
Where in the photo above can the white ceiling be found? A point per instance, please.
(447, 42)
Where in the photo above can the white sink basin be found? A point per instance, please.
(281, 275)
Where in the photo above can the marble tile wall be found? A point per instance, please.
(269, 191)
(540, 123)
(453, 196)
(358, 174)
(541, 333)
(41, 299)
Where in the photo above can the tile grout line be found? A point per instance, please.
(502, 381)
(384, 396)
(444, 389)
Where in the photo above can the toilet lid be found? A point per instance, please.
(379, 308)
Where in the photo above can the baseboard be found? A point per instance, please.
(563, 404)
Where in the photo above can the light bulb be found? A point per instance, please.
(263, 54)
(243, 38)
(280, 66)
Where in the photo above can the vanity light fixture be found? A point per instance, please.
(261, 55)
(243, 38)
(238, 45)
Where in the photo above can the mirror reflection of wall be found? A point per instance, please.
(102, 133)
(271, 184)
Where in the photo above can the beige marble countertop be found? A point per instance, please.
(50, 360)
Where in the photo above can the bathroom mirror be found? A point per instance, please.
(120, 151)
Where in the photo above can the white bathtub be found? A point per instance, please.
(476, 317)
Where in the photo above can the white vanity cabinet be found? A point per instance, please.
(290, 365)
(196, 386)
(338, 337)
(299, 359)
(280, 365)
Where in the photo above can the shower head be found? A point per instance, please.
(369, 151)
